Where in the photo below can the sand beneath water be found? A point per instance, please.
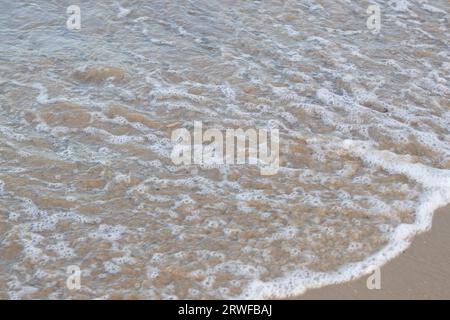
(421, 272)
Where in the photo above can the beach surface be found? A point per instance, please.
(421, 272)
(134, 148)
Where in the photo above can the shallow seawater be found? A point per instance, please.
(86, 117)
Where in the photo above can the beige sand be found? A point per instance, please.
(421, 272)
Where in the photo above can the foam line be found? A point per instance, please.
(437, 194)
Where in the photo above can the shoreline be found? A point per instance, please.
(421, 272)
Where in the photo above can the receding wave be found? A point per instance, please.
(86, 177)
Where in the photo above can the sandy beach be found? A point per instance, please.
(229, 150)
(421, 272)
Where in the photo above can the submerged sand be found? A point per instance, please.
(421, 272)
(88, 178)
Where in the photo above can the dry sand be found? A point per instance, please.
(421, 272)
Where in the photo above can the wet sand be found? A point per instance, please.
(421, 272)
(90, 176)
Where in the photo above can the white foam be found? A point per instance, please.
(400, 5)
(333, 77)
(437, 185)
(123, 12)
(109, 232)
(43, 94)
(228, 92)
(152, 272)
(62, 250)
(433, 9)
(111, 267)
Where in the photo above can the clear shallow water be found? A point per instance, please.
(86, 177)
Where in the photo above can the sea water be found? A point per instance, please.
(86, 117)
